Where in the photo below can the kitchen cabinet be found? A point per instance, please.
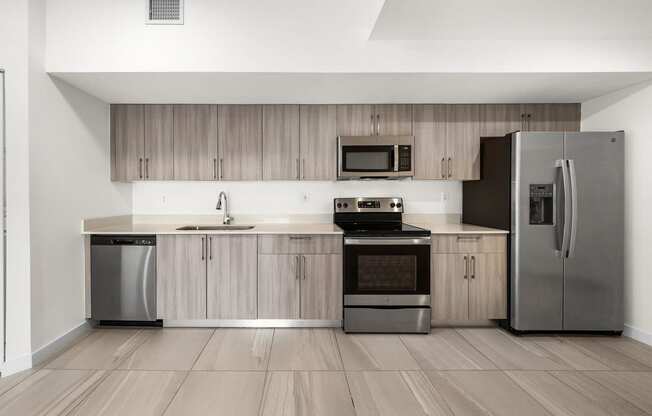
(159, 142)
(374, 119)
(469, 278)
(195, 142)
(281, 157)
(181, 277)
(552, 117)
(231, 277)
(321, 286)
(318, 142)
(498, 120)
(429, 126)
(278, 286)
(240, 142)
(127, 142)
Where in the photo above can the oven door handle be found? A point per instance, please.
(404, 241)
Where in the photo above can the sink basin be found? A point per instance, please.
(215, 227)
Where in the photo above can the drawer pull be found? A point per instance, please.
(296, 237)
(467, 237)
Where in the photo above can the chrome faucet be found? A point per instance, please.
(226, 219)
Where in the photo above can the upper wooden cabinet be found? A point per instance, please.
(374, 119)
(552, 117)
(195, 142)
(318, 137)
(501, 119)
(159, 142)
(281, 157)
(447, 141)
(127, 142)
(240, 132)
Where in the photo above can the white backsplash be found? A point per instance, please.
(290, 197)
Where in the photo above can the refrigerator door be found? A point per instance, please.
(536, 297)
(593, 283)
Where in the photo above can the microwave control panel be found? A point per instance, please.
(404, 158)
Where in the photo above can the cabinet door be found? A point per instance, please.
(281, 142)
(553, 117)
(463, 141)
(128, 142)
(231, 278)
(181, 277)
(430, 141)
(278, 286)
(500, 119)
(241, 142)
(159, 144)
(317, 125)
(488, 286)
(195, 142)
(355, 120)
(321, 286)
(450, 287)
(394, 119)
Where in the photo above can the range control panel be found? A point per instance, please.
(368, 205)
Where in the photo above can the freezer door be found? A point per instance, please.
(536, 284)
(593, 283)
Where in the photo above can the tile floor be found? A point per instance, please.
(471, 371)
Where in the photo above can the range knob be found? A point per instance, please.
(346, 205)
(392, 205)
(339, 205)
(399, 205)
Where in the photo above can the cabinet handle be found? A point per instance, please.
(529, 118)
(140, 168)
(146, 168)
(377, 124)
(468, 237)
(298, 169)
(303, 267)
(296, 268)
(297, 237)
(466, 267)
(303, 168)
(443, 167)
(450, 168)
(210, 248)
(472, 267)
(203, 249)
(214, 168)
(221, 176)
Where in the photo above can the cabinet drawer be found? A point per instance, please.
(299, 244)
(469, 243)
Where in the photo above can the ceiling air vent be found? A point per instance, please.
(164, 12)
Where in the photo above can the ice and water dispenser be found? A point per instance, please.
(541, 204)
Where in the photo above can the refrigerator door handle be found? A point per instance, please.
(574, 210)
(561, 163)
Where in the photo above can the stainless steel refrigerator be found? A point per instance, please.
(561, 196)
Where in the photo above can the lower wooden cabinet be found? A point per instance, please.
(488, 286)
(231, 278)
(449, 287)
(181, 277)
(297, 286)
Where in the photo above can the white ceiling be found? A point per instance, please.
(514, 20)
(211, 87)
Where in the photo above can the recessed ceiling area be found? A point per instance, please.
(242, 88)
(514, 19)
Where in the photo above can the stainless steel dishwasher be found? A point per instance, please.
(123, 278)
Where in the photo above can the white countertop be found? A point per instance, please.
(457, 228)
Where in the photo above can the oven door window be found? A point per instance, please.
(387, 269)
(367, 158)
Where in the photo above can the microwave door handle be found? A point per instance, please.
(395, 158)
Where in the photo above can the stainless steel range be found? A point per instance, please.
(386, 267)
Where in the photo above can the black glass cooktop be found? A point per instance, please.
(369, 229)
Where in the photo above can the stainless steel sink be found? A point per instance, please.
(215, 227)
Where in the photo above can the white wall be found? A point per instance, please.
(279, 198)
(13, 58)
(629, 110)
(69, 181)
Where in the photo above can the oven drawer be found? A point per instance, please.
(469, 243)
(299, 244)
(397, 320)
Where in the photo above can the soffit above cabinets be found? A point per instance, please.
(309, 88)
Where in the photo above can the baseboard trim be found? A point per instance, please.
(65, 341)
(253, 323)
(637, 334)
(16, 365)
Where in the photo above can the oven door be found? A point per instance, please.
(386, 271)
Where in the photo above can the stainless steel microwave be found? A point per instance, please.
(380, 157)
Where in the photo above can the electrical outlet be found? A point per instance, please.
(444, 196)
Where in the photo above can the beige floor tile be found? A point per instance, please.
(596, 392)
(567, 353)
(374, 352)
(49, 392)
(445, 349)
(555, 396)
(297, 393)
(304, 350)
(137, 393)
(631, 348)
(612, 358)
(237, 349)
(472, 393)
(509, 352)
(9, 382)
(635, 387)
(103, 349)
(174, 349)
(219, 393)
(386, 393)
